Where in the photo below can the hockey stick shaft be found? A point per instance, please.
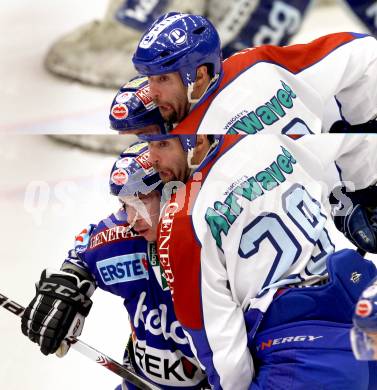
(361, 252)
(90, 352)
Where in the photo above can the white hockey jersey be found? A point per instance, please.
(291, 89)
(253, 218)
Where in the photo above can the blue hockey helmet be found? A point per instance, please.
(363, 334)
(178, 42)
(188, 142)
(133, 107)
(133, 174)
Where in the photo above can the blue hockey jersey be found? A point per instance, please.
(125, 264)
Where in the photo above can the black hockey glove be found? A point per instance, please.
(344, 127)
(356, 217)
(58, 311)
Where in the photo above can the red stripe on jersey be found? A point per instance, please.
(294, 58)
(178, 249)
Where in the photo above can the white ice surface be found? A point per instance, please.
(33, 100)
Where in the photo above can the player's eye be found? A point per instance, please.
(162, 144)
(163, 78)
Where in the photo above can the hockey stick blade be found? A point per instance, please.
(90, 352)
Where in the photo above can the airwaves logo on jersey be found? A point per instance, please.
(265, 115)
(123, 268)
(223, 214)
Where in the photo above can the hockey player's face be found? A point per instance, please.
(170, 95)
(150, 129)
(143, 213)
(169, 159)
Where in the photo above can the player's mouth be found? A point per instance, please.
(165, 107)
(165, 174)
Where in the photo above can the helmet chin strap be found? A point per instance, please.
(190, 155)
(190, 90)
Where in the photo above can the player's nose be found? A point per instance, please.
(154, 157)
(154, 91)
